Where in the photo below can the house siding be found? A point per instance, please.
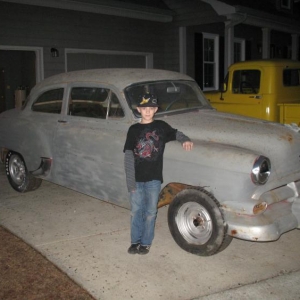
(35, 26)
(25, 25)
(171, 49)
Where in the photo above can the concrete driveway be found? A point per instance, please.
(88, 239)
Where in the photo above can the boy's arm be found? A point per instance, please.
(129, 170)
(184, 140)
(181, 138)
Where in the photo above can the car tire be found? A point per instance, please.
(18, 176)
(197, 223)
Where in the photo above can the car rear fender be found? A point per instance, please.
(30, 135)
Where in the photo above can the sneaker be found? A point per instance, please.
(144, 249)
(134, 249)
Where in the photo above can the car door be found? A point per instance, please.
(36, 127)
(89, 144)
(243, 94)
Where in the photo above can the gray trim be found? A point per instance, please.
(113, 8)
(148, 56)
(254, 17)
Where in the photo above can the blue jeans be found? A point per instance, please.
(144, 211)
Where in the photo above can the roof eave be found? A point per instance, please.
(113, 8)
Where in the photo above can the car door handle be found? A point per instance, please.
(255, 97)
(62, 121)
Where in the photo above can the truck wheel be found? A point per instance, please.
(18, 176)
(197, 224)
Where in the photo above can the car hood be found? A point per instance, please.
(230, 129)
(276, 141)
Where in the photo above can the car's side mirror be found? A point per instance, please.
(224, 87)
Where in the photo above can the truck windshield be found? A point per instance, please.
(172, 95)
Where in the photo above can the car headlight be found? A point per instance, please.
(261, 170)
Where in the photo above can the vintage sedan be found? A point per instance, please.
(241, 180)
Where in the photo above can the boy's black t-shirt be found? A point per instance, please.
(147, 141)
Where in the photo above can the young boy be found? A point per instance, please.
(144, 148)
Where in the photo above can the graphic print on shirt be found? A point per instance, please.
(147, 146)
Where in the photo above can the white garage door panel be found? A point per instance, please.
(84, 61)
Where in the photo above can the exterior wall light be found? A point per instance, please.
(54, 52)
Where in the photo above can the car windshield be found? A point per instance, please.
(172, 95)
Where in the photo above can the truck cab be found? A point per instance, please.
(263, 89)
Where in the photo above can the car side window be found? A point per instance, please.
(246, 82)
(49, 102)
(291, 77)
(92, 102)
(88, 102)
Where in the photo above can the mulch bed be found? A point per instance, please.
(27, 274)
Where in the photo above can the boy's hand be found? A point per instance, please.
(188, 146)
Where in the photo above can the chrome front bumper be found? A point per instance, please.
(282, 215)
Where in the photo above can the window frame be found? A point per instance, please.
(287, 80)
(215, 62)
(106, 113)
(285, 7)
(249, 86)
(45, 92)
(288, 6)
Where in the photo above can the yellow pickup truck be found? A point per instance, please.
(264, 89)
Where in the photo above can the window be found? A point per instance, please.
(246, 82)
(285, 4)
(171, 95)
(49, 102)
(94, 103)
(291, 77)
(210, 61)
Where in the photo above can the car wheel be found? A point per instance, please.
(18, 176)
(197, 224)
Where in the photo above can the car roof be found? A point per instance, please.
(285, 63)
(120, 78)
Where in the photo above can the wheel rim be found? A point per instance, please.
(194, 223)
(17, 169)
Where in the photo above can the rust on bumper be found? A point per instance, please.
(282, 214)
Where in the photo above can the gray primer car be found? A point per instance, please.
(242, 178)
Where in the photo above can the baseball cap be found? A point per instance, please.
(148, 100)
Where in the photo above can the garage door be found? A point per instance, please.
(84, 61)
